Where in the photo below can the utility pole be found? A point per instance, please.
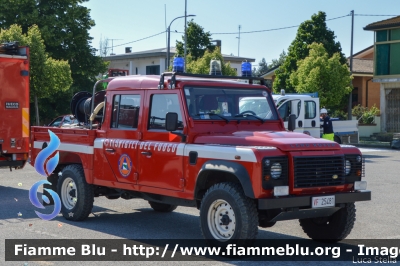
(349, 108)
(239, 41)
(112, 45)
(184, 65)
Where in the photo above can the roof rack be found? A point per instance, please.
(174, 74)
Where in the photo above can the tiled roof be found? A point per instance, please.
(365, 66)
(383, 24)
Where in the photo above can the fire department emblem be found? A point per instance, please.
(125, 165)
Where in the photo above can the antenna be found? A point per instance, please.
(112, 45)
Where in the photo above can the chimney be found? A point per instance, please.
(217, 43)
(128, 50)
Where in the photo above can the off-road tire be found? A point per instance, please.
(265, 224)
(337, 139)
(162, 207)
(53, 179)
(333, 228)
(228, 216)
(73, 180)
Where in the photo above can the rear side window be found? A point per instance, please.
(125, 112)
(310, 109)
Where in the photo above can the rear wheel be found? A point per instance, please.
(333, 228)
(76, 195)
(162, 207)
(227, 215)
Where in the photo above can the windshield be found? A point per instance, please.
(229, 104)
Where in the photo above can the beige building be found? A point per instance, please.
(154, 62)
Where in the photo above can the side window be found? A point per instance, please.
(125, 111)
(284, 110)
(161, 104)
(310, 109)
(57, 122)
(298, 109)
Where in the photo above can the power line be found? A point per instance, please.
(141, 39)
(375, 15)
(255, 31)
(282, 28)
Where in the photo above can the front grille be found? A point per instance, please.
(318, 171)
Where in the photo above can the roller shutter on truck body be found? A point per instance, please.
(14, 106)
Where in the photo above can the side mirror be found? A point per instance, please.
(171, 121)
(292, 122)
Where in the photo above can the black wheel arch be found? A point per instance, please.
(228, 172)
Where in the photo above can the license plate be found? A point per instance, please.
(321, 202)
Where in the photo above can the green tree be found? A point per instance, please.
(321, 73)
(261, 69)
(48, 76)
(279, 61)
(198, 41)
(202, 65)
(64, 25)
(314, 30)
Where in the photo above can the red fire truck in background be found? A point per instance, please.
(14, 105)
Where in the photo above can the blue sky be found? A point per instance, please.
(127, 21)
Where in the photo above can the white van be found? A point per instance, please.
(306, 108)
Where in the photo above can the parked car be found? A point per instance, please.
(63, 120)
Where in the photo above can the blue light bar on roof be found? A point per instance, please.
(178, 65)
(246, 69)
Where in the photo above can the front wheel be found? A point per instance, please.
(227, 215)
(333, 228)
(76, 195)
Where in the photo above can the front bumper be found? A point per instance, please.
(305, 201)
(299, 207)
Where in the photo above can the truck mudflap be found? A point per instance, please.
(305, 201)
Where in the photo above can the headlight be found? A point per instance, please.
(348, 167)
(276, 170)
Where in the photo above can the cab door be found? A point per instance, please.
(311, 117)
(292, 106)
(121, 144)
(160, 165)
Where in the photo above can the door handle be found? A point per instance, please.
(147, 153)
(110, 150)
(300, 123)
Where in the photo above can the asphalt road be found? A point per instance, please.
(134, 219)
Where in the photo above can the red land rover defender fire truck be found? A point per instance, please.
(14, 105)
(180, 140)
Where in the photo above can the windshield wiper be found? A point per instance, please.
(221, 116)
(246, 115)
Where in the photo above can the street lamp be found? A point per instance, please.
(169, 33)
